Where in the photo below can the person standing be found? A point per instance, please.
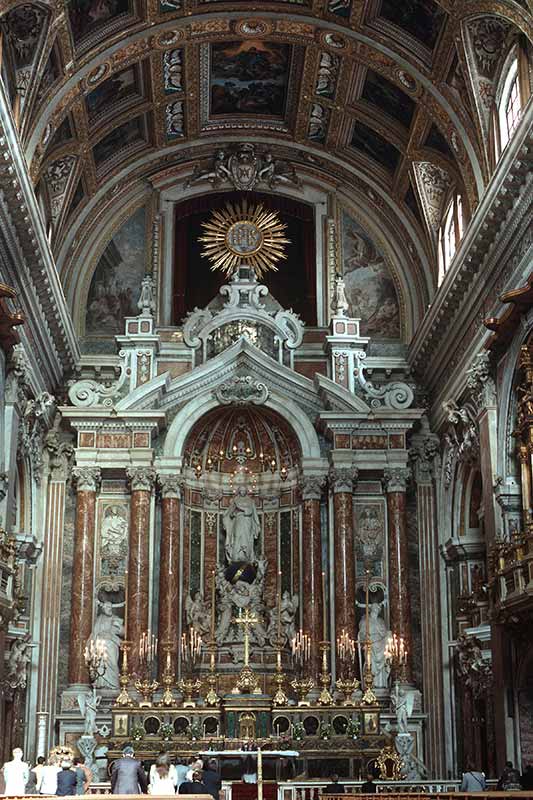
(369, 787)
(16, 774)
(84, 775)
(66, 780)
(334, 787)
(37, 772)
(212, 779)
(163, 777)
(49, 774)
(181, 772)
(127, 774)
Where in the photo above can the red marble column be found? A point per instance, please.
(312, 567)
(169, 566)
(137, 622)
(341, 482)
(81, 614)
(399, 600)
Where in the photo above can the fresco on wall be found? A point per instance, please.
(87, 15)
(117, 140)
(369, 285)
(116, 283)
(249, 77)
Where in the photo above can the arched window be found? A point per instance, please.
(510, 105)
(450, 234)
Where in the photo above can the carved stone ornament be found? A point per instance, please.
(328, 70)
(32, 428)
(318, 123)
(424, 453)
(342, 479)
(86, 479)
(244, 169)
(433, 184)
(170, 485)
(141, 478)
(480, 382)
(60, 453)
(396, 394)
(473, 669)
(241, 391)
(462, 438)
(175, 119)
(4, 483)
(395, 479)
(311, 486)
(173, 70)
(88, 392)
(146, 303)
(339, 302)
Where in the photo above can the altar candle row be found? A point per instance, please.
(346, 647)
(191, 646)
(148, 647)
(301, 647)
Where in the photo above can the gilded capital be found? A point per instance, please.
(141, 479)
(311, 486)
(342, 479)
(86, 479)
(395, 479)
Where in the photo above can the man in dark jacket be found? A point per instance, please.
(66, 780)
(127, 774)
(211, 779)
(334, 787)
(195, 786)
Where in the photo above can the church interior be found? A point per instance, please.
(266, 386)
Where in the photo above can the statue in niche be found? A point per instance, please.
(110, 629)
(288, 608)
(198, 614)
(378, 634)
(241, 523)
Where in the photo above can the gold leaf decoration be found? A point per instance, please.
(244, 235)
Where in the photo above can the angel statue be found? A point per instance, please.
(110, 629)
(198, 614)
(402, 702)
(288, 608)
(88, 703)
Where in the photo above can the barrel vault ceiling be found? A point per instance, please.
(367, 93)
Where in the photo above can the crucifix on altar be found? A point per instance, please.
(247, 682)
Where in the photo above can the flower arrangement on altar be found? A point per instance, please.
(352, 728)
(167, 731)
(194, 731)
(298, 731)
(325, 730)
(137, 733)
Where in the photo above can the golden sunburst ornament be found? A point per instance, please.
(241, 234)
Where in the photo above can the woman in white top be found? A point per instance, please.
(16, 774)
(163, 776)
(49, 773)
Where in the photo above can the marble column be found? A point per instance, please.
(312, 605)
(341, 482)
(399, 599)
(169, 565)
(81, 609)
(141, 482)
(425, 461)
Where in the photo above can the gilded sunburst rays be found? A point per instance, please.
(242, 234)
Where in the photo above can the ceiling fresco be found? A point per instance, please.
(360, 91)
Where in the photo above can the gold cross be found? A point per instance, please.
(246, 620)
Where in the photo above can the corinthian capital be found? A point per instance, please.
(342, 479)
(86, 479)
(141, 478)
(311, 486)
(395, 479)
(170, 485)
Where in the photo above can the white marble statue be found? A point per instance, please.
(241, 523)
(88, 703)
(402, 702)
(17, 663)
(238, 596)
(379, 634)
(198, 614)
(109, 629)
(288, 609)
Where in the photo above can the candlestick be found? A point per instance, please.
(213, 590)
(324, 610)
(126, 604)
(279, 608)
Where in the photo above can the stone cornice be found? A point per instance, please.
(29, 262)
(474, 270)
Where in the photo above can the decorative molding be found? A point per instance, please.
(311, 486)
(342, 479)
(395, 479)
(396, 394)
(170, 485)
(141, 479)
(86, 479)
(242, 390)
(480, 383)
(462, 438)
